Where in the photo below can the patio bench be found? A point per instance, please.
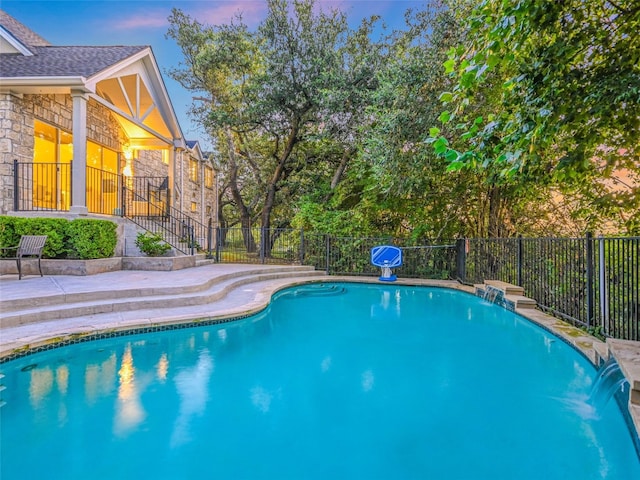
(30, 247)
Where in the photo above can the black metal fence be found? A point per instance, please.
(41, 186)
(144, 200)
(179, 230)
(335, 255)
(593, 282)
(103, 191)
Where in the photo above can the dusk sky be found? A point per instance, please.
(144, 22)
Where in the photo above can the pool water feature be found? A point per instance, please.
(610, 379)
(377, 382)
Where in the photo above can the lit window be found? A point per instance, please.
(52, 153)
(208, 177)
(194, 207)
(193, 170)
(102, 179)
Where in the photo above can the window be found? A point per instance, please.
(193, 169)
(102, 179)
(194, 207)
(52, 154)
(208, 177)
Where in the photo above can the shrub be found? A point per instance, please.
(53, 228)
(89, 238)
(8, 236)
(81, 238)
(152, 244)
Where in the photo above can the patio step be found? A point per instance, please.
(16, 312)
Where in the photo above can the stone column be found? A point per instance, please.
(202, 193)
(79, 165)
(172, 176)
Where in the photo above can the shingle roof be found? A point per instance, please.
(23, 34)
(64, 61)
(191, 143)
(56, 61)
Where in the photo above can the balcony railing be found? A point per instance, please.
(143, 200)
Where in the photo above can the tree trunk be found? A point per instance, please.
(245, 216)
(273, 185)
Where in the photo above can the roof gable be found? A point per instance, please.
(17, 38)
(125, 79)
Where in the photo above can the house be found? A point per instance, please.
(90, 130)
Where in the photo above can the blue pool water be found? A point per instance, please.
(339, 381)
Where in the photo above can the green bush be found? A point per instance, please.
(53, 228)
(89, 238)
(152, 244)
(81, 238)
(8, 236)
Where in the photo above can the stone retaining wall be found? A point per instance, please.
(100, 265)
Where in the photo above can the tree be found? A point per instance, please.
(268, 92)
(564, 83)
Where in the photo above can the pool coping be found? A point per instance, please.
(627, 353)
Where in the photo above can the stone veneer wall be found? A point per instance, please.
(149, 164)
(192, 192)
(17, 115)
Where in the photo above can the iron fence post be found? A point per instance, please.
(520, 255)
(327, 253)
(16, 203)
(263, 244)
(209, 237)
(301, 246)
(461, 259)
(589, 272)
(603, 284)
(71, 182)
(218, 238)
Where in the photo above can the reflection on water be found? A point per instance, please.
(62, 379)
(192, 385)
(129, 411)
(40, 386)
(162, 368)
(325, 364)
(367, 380)
(99, 378)
(261, 399)
(388, 304)
(222, 334)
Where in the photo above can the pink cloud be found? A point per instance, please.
(207, 12)
(253, 12)
(148, 19)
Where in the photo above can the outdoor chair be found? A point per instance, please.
(30, 246)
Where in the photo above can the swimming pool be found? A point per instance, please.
(333, 380)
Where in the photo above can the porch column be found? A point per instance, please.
(202, 197)
(79, 166)
(172, 176)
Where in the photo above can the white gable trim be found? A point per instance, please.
(15, 43)
(143, 63)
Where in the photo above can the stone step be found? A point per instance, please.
(520, 301)
(17, 300)
(507, 288)
(136, 300)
